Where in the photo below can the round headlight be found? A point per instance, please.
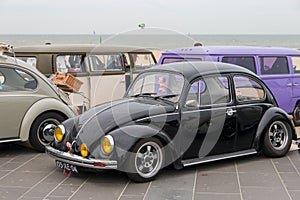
(59, 133)
(84, 150)
(107, 144)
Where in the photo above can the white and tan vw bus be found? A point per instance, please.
(105, 71)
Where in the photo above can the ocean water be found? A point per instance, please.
(160, 41)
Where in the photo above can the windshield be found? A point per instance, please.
(160, 85)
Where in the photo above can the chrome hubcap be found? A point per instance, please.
(42, 135)
(278, 135)
(148, 159)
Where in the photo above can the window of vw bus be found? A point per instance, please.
(142, 61)
(159, 85)
(274, 65)
(296, 64)
(70, 63)
(106, 62)
(30, 60)
(244, 61)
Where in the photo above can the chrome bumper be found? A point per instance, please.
(80, 161)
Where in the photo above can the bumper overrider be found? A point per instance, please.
(80, 161)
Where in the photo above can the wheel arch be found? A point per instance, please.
(41, 107)
(125, 142)
(270, 116)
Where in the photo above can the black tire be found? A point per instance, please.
(296, 116)
(278, 139)
(147, 154)
(36, 137)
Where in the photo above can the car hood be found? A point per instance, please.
(103, 118)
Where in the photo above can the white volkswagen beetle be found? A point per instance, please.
(28, 103)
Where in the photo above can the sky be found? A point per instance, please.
(119, 16)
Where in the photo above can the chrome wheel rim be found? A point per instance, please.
(278, 135)
(148, 159)
(43, 138)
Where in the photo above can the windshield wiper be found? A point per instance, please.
(166, 96)
(144, 94)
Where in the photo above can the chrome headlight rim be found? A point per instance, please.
(63, 131)
(112, 144)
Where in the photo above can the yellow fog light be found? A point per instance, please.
(107, 144)
(59, 133)
(84, 150)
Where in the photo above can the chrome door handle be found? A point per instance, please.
(289, 84)
(230, 111)
(295, 84)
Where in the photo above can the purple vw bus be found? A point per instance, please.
(279, 68)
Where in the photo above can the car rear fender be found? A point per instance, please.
(126, 137)
(270, 116)
(39, 107)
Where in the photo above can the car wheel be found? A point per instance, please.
(277, 140)
(37, 138)
(296, 116)
(146, 160)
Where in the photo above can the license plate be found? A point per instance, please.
(66, 166)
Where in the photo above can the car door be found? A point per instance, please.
(250, 96)
(208, 123)
(17, 94)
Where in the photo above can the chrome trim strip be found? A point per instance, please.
(10, 140)
(78, 160)
(218, 157)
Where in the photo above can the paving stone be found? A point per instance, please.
(136, 189)
(260, 180)
(283, 165)
(295, 194)
(22, 179)
(12, 192)
(217, 183)
(214, 196)
(291, 181)
(250, 193)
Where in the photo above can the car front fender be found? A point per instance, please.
(270, 116)
(39, 107)
(126, 137)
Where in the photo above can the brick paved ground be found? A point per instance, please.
(26, 174)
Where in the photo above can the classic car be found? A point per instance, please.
(180, 114)
(28, 103)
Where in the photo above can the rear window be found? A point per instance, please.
(30, 60)
(245, 61)
(274, 65)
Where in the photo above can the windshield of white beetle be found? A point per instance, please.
(162, 85)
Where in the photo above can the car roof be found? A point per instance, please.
(79, 48)
(235, 50)
(192, 70)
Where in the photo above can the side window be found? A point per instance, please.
(16, 80)
(70, 63)
(142, 61)
(208, 91)
(108, 62)
(274, 65)
(247, 89)
(296, 64)
(245, 61)
(30, 60)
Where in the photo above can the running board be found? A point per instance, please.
(10, 140)
(218, 157)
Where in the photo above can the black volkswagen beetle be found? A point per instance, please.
(180, 114)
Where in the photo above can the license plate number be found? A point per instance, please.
(66, 166)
